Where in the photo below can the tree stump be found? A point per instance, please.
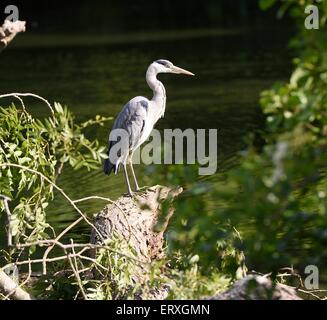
(135, 219)
(141, 222)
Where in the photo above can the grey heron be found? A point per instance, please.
(138, 118)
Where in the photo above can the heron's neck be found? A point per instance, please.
(159, 92)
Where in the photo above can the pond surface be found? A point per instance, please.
(231, 70)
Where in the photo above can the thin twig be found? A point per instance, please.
(60, 258)
(21, 102)
(75, 270)
(310, 293)
(63, 193)
(16, 95)
(47, 251)
(77, 245)
(95, 198)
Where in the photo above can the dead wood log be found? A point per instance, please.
(9, 30)
(11, 289)
(255, 287)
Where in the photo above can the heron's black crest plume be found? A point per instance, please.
(164, 62)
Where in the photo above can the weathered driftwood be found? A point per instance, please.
(255, 287)
(9, 30)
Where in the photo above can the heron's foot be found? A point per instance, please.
(129, 193)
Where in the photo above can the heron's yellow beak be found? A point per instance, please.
(179, 70)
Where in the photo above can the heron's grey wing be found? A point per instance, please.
(132, 119)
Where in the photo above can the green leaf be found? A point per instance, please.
(266, 4)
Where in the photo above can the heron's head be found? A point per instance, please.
(165, 66)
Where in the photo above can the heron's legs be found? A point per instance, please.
(130, 160)
(130, 192)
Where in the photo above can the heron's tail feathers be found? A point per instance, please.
(108, 167)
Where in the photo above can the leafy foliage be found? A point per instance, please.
(44, 146)
(276, 196)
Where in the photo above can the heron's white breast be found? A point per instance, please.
(155, 111)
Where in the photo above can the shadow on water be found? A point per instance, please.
(231, 71)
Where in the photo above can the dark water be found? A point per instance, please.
(231, 71)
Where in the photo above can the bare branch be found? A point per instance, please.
(17, 95)
(85, 246)
(74, 267)
(63, 193)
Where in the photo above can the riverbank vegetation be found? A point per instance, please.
(268, 213)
